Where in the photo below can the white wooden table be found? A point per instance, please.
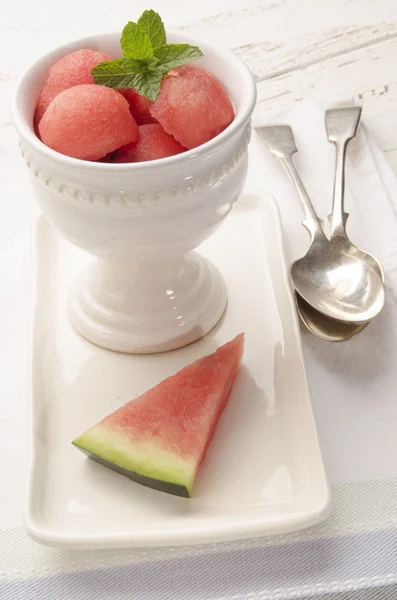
(297, 49)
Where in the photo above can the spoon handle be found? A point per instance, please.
(279, 139)
(341, 125)
(338, 217)
(311, 222)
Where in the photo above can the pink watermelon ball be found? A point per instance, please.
(192, 106)
(88, 122)
(139, 106)
(45, 98)
(108, 158)
(153, 142)
(73, 69)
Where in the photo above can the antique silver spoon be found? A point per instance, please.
(340, 286)
(341, 125)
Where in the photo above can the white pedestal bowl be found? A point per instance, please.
(146, 290)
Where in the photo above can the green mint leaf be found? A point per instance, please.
(118, 73)
(130, 73)
(135, 43)
(150, 62)
(140, 66)
(148, 84)
(150, 23)
(175, 55)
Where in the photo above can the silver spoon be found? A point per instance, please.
(341, 286)
(341, 125)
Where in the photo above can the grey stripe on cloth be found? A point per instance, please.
(386, 593)
(308, 570)
(357, 507)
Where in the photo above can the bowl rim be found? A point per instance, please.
(243, 116)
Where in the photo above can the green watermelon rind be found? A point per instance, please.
(143, 463)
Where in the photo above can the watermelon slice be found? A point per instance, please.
(160, 438)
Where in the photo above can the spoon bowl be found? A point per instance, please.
(338, 285)
(329, 330)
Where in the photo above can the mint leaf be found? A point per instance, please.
(147, 57)
(118, 73)
(150, 23)
(175, 55)
(150, 62)
(140, 66)
(130, 73)
(148, 84)
(132, 65)
(135, 43)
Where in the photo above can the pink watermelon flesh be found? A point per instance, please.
(73, 69)
(160, 438)
(192, 106)
(153, 142)
(139, 106)
(88, 122)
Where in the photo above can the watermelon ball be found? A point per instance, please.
(193, 107)
(108, 158)
(88, 122)
(139, 106)
(73, 69)
(153, 142)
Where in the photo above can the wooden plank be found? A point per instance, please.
(270, 60)
(287, 23)
(367, 75)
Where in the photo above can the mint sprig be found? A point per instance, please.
(147, 57)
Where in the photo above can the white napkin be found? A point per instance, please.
(353, 390)
(352, 383)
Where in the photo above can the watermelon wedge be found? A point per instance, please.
(160, 438)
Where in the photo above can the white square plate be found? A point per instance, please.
(263, 473)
